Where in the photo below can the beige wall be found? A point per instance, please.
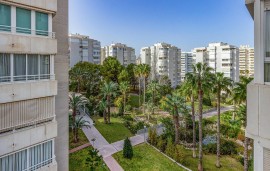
(60, 26)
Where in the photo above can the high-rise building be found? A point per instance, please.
(258, 91)
(165, 60)
(82, 48)
(186, 64)
(246, 61)
(124, 54)
(34, 85)
(222, 57)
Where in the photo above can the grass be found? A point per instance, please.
(146, 158)
(228, 163)
(114, 131)
(82, 139)
(77, 161)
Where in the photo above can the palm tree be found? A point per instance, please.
(124, 88)
(145, 71)
(150, 107)
(221, 84)
(137, 74)
(78, 124)
(153, 87)
(102, 107)
(77, 75)
(76, 101)
(189, 90)
(174, 104)
(108, 91)
(202, 76)
(240, 97)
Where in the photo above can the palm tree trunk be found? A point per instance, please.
(144, 95)
(109, 109)
(139, 92)
(193, 126)
(200, 166)
(234, 110)
(176, 128)
(105, 117)
(124, 103)
(218, 130)
(74, 135)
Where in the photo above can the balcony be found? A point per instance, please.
(27, 89)
(50, 5)
(21, 40)
(258, 107)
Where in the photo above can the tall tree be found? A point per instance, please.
(124, 88)
(123, 76)
(145, 71)
(188, 89)
(109, 90)
(153, 87)
(76, 101)
(102, 107)
(203, 78)
(110, 69)
(221, 84)
(78, 124)
(77, 75)
(137, 73)
(240, 96)
(131, 75)
(174, 104)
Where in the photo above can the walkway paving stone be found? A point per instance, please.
(112, 164)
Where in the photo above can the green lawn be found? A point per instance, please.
(228, 163)
(82, 139)
(77, 161)
(114, 131)
(146, 158)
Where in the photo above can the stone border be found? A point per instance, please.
(79, 148)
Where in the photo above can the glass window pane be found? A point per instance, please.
(4, 67)
(32, 67)
(5, 18)
(267, 72)
(19, 67)
(23, 21)
(44, 66)
(267, 34)
(41, 24)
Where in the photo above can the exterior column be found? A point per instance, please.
(33, 22)
(13, 19)
(258, 155)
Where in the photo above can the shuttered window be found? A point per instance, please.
(5, 18)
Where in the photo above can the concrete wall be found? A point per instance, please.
(12, 142)
(27, 90)
(50, 5)
(60, 26)
(16, 43)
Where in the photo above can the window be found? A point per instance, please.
(266, 72)
(29, 159)
(4, 67)
(32, 67)
(5, 18)
(41, 24)
(23, 21)
(19, 67)
(44, 67)
(267, 47)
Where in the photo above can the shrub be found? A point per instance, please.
(128, 150)
(226, 148)
(179, 155)
(152, 136)
(128, 118)
(241, 136)
(229, 131)
(161, 144)
(170, 148)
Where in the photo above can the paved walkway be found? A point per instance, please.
(214, 112)
(106, 149)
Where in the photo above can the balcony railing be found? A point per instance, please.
(8, 79)
(19, 30)
(50, 161)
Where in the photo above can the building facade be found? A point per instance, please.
(165, 60)
(246, 61)
(222, 57)
(34, 85)
(258, 91)
(124, 54)
(186, 64)
(82, 48)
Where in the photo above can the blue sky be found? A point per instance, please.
(184, 23)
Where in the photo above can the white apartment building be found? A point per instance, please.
(258, 91)
(165, 60)
(33, 85)
(124, 54)
(246, 61)
(186, 64)
(82, 48)
(222, 57)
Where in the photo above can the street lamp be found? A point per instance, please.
(144, 132)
